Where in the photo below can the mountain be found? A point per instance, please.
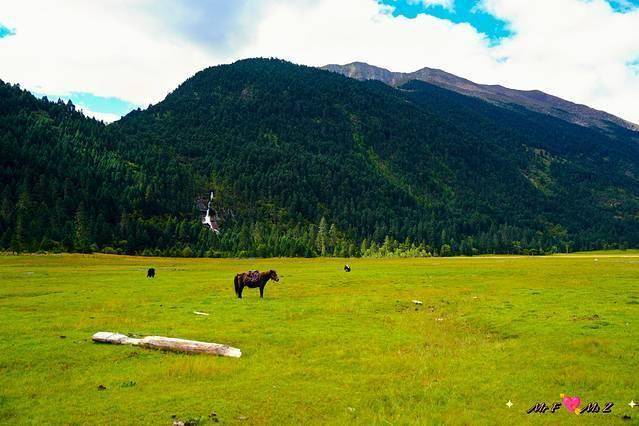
(289, 160)
(533, 100)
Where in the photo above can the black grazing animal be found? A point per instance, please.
(347, 268)
(253, 279)
(150, 273)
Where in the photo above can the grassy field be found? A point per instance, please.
(324, 346)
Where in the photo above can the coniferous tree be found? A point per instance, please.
(322, 236)
(82, 240)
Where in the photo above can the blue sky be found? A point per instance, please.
(462, 11)
(472, 12)
(111, 57)
(624, 6)
(5, 32)
(102, 106)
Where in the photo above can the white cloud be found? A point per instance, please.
(102, 116)
(113, 48)
(575, 49)
(571, 48)
(139, 50)
(333, 31)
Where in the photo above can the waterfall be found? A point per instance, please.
(208, 220)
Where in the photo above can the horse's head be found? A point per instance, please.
(273, 275)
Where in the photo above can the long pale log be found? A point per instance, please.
(168, 344)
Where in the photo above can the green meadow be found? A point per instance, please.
(323, 346)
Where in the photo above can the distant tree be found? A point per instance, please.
(364, 247)
(322, 237)
(333, 240)
(82, 239)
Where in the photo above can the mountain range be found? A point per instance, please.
(289, 160)
(533, 100)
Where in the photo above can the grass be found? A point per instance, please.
(324, 346)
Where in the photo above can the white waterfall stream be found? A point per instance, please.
(208, 220)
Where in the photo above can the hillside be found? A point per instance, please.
(304, 162)
(533, 100)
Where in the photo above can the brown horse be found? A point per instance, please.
(253, 279)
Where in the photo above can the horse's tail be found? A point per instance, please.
(236, 282)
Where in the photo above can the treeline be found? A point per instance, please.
(39, 228)
(182, 238)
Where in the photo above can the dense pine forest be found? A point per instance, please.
(305, 162)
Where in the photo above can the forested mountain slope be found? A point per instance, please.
(305, 162)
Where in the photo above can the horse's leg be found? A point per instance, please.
(262, 291)
(239, 294)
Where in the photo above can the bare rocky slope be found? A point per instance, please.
(533, 100)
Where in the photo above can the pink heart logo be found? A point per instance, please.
(571, 403)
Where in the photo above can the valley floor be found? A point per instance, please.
(324, 346)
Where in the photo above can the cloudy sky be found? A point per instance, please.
(110, 56)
